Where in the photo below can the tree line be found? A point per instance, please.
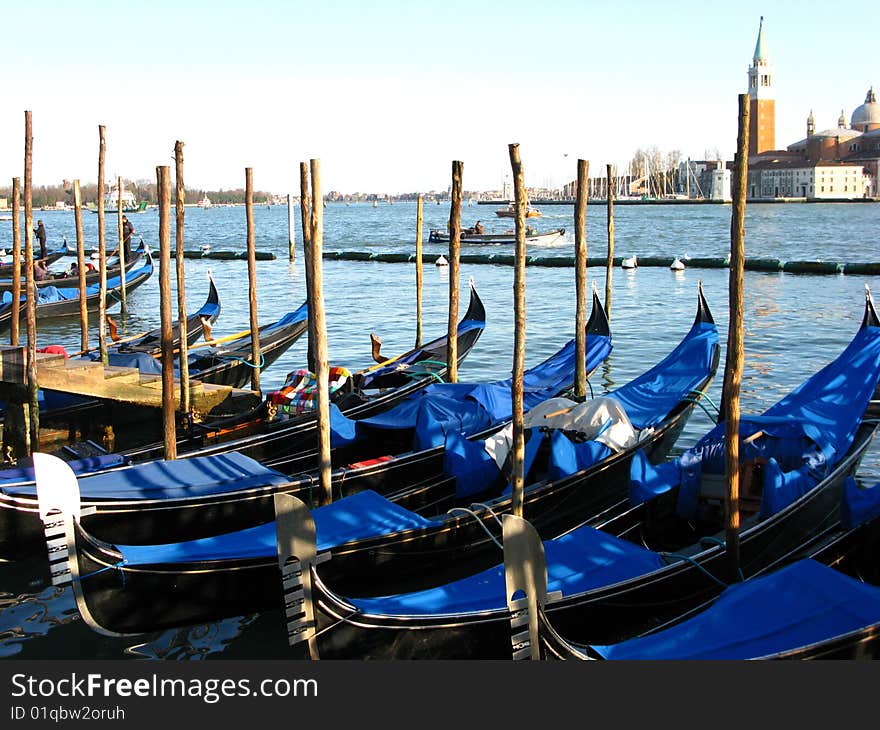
(143, 190)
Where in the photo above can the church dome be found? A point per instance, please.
(867, 113)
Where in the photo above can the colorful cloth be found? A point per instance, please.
(299, 394)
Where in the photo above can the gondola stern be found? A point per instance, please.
(598, 323)
(476, 311)
(870, 319)
(704, 314)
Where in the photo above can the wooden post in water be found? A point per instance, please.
(454, 255)
(316, 303)
(16, 261)
(102, 251)
(519, 330)
(256, 357)
(121, 250)
(169, 431)
(81, 267)
(180, 207)
(16, 436)
(419, 271)
(31, 298)
(609, 263)
(291, 228)
(305, 209)
(734, 360)
(580, 280)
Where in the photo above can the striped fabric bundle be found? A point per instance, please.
(300, 391)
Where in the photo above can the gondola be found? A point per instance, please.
(656, 557)
(228, 362)
(377, 543)
(270, 436)
(65, 280)
(204, 494)
(88, 415)
(6, 269)
(438, 236)
(804, 610)
(64, 301)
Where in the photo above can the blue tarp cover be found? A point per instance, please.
(805, 433)
(362, 515)
(579, 561)
(176, 479)
(87, 465)
(800, 604)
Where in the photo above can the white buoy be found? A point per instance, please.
(677, 265)
(630, 263)
(441, 261)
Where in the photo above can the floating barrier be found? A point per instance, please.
(763, 265)
(507, 259)
(228, 255)
(812, 267)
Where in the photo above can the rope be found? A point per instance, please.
(706, 396)
(489, 510)
(233, 358)
(689, 559)
(115, 566)
(708, 539)
(699, 402)
(479, 521)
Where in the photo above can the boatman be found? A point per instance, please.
(127, 230)
(40, 233)
(478, 227)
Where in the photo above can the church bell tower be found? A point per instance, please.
(762, 105)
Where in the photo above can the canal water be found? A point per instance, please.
(795, 323)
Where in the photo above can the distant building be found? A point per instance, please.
(831, 164)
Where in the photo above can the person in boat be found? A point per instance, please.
(478, 228)
(127, 231)
(41, 271)
(531, 231)
(40, 233)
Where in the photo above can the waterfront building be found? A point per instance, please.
(839, 163)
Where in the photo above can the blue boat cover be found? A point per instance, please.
(87, 465)
(801, 604)
(579, 561)
(804, 435)
(468, 408)
(362, 515)
(200, 476)
(858, 504)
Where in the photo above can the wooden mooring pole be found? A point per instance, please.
(31, 294)
(16, 261)
(102, 251)
(256, 358)
(291, 228)
(121, 248)
(305, 209)
(580, 280)
(419, 270)
(81, 267)
(609, 262)
(519, 330)
(454, 257)
(180, 207)
(316, 303)
(169, 430)
(735, 356)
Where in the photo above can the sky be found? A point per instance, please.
(386, 93)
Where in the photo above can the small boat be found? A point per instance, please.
(510, 211)
(55, 301)
(6, 265)
(72, 279)
(438, 236)
(129, 202)
(804, 610)
(205, 201)
(630, 263)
